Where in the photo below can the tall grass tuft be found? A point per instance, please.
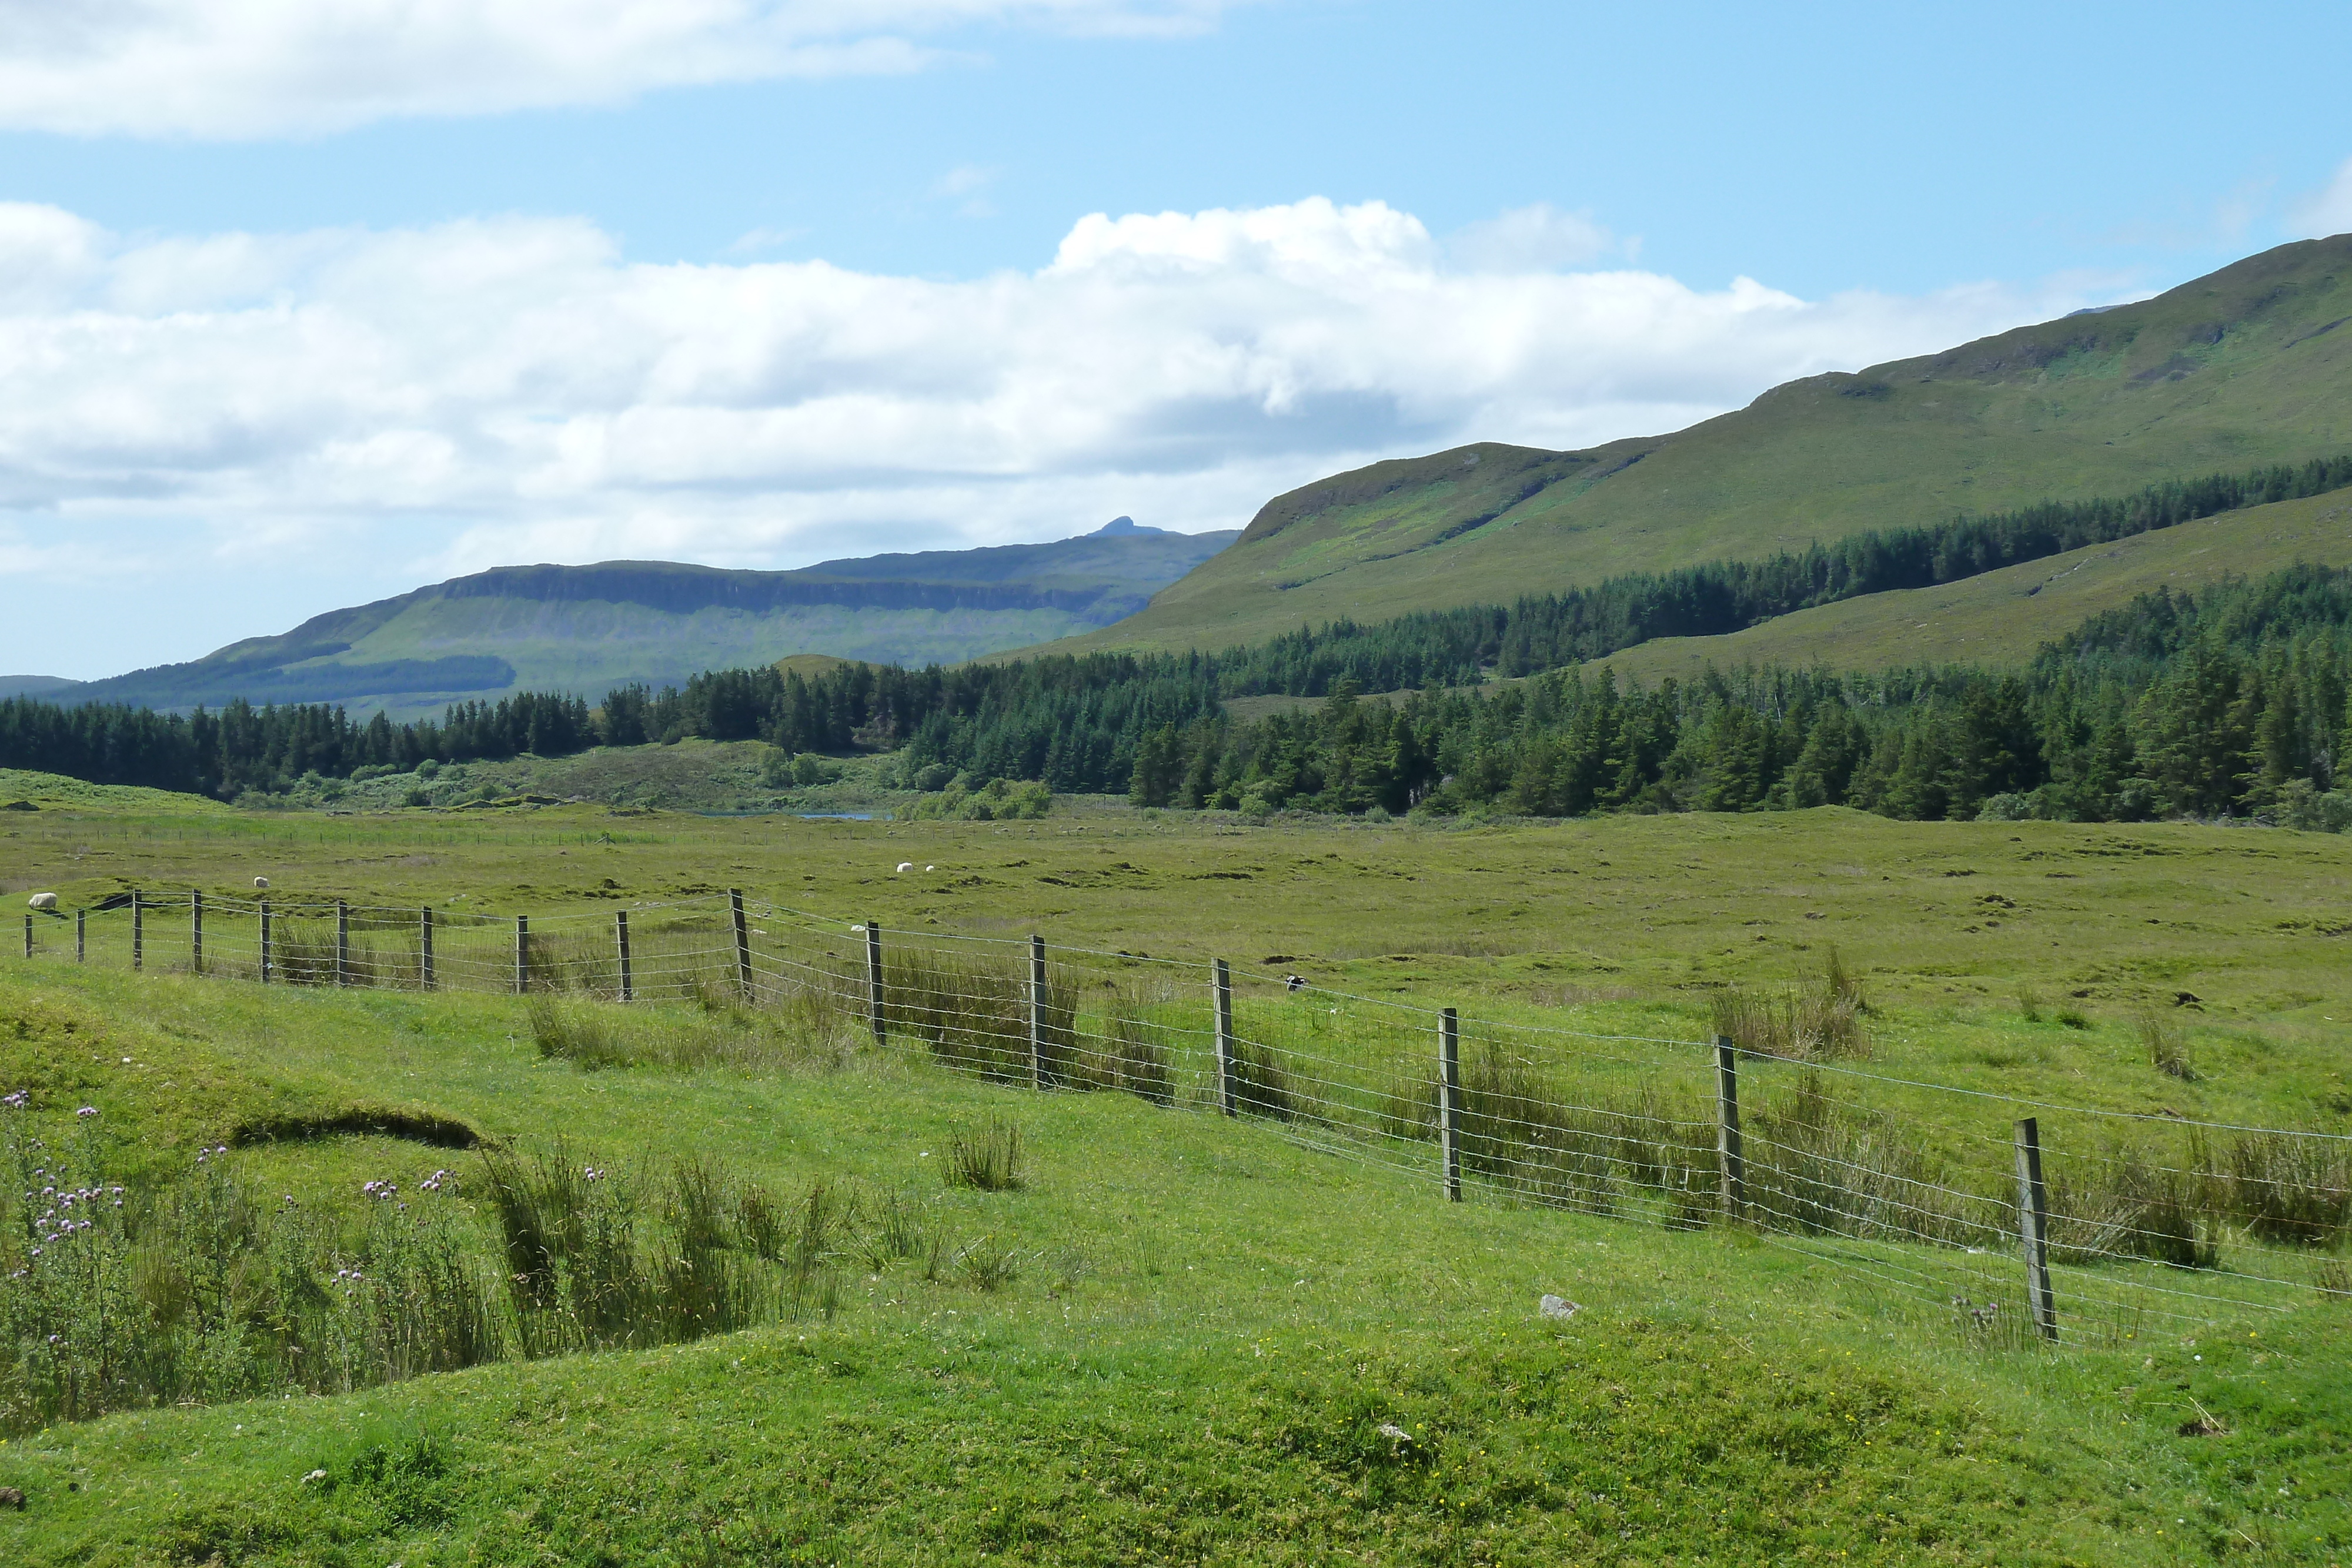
(2282, 1188)
(2167, 1049)
(2128, 1206)
(972, 1013)
(1261, 1085)
(1820, 1168)
(814, 1035)
(1407, 1108)
(1134, 1053)
(1517, 1133)
(1816, 1018)
(987, 1160)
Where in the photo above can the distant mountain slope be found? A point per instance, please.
(587, 628)
(2252, 364)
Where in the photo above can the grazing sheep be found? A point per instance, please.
(261, 881)
(1293, 982)
(47, 903)
(906, 866)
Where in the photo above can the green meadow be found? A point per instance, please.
(1173, 1336)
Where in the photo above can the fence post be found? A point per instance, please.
(1449, 1123)
(264, 906)
(1728, 1148)
(621, 930)
(1224, 989)
(28, 936)
(425, 953)
(138, 931)
(1037, 1012)
(873, 982)
(81, 935)
(197, 929)
(522, 954)
(2033, 1227)
(342, 943)
(742, 944)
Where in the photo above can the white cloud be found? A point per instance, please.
(2328, 211)
(415, 403)
(237, 68)
(1537, 238)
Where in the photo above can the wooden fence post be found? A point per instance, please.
(742, 944)
(1728, 1148)
(263, 905)
(1224, 990)
(2033, 1228)
(1037, 1012)
(138, 931)
(342, 943)
(522, 954)
(425, 975)
(874, 998)
(621, 932)
(197, 929)
(81, 935)
(1449, 1124)
(28, 936)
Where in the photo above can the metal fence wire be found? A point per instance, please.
(2018, 1220)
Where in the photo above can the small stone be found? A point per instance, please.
(1558, 1307)
(11, 1498)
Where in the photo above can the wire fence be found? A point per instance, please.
(2014, 1219)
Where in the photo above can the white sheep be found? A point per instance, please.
(906, 866)
(47, 903)
(262, 883)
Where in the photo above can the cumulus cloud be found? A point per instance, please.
(443, 398)
(1537, 238)
(234, 68)
(2328, 211)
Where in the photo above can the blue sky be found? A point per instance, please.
(307, 310)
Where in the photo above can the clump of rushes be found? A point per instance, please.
(203, 1288)
(987, 1160)
(1818, 1018)
(2167, 1050)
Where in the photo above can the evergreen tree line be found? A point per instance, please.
(242, 748)
(2227, 703)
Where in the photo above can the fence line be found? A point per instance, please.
(2097, 1239)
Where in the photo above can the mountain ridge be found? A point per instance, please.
(584, 629)
(2246, 365)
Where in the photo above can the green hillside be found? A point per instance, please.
(2242, 367)
(589, 628)
(2002, 617)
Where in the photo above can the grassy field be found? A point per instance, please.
(2224, 372)
(1185, 1338)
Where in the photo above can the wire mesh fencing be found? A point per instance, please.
(2017, 1220)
